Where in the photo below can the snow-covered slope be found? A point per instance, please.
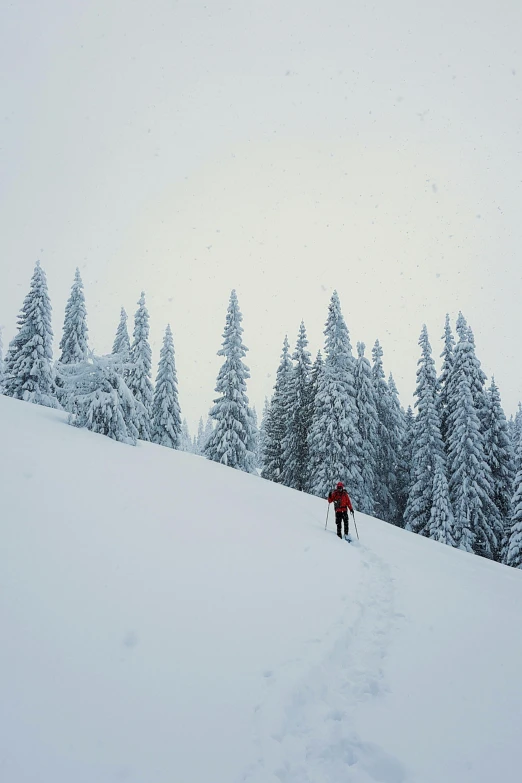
(164, 619)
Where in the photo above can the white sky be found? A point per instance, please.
(280, 148)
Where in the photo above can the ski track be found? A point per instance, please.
(312, 738)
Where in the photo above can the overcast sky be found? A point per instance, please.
(280, 148)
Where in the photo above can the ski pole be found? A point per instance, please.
(355, 523)
(326, 523)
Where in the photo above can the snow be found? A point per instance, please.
(166, 619)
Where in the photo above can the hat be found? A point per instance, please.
(340, 485)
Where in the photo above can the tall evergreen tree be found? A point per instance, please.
(427, 444)
(441, 527)
(277, 422)
(121, 343)
(166, 414)
(73, 344)
(368, 425)
(499, 454)
(139, 375)
(207, 432)
(198, 438)
(295, 444)
(396, 426)
(478, 526)
(514, 553)
(405, 470)
(28, 364)
(334, 440)
(233, 440)
(516, 434)
(262, 434)
(447, 356)
(386, 465)
(185, 442)
(478, 383)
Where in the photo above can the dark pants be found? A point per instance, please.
(341, 516)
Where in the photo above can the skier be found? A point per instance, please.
(341, 500)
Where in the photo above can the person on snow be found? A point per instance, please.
(341, 500)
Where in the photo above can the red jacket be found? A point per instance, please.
(341, 499)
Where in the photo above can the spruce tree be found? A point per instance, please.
(441, 526)
(405, 470)
(396, 426)
(386, 464)
(499, 454)
(334, 440)
(198, 438)
(514, 551)
(166, 414)
(28, 363)
(447, 356)
(516, 434)
(100, 400)
(73, 344)
(428, 447)
(478, 383)
(277, 422)
(207, 432)
(478, 526)
(295, 443)
(233, 440)
(121, 345)
(185, 443)
(262, 434)
(368, 425)
(139, 374)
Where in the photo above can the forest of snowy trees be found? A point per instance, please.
(451, 470)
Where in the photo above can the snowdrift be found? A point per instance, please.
(167, 620)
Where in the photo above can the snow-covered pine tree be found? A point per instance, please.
(396, 426)
(405, 471)
(514, 553)
(334, 440)
(277, 424)
(257, 453)
(478, 383)
(441, 517)
(233, 440)
(499, 454)
(100, 398)
(427, 444)
(198, 439)
(515, 435)
(387, 460)
(442, 383)
(121, 344)
(185, 443)
(295, 443)
(207, 432)
(166, 414)
(73, 344)
(478, 526)
(262, 434)
(139, 374)
(368, 425)
(315, 374)
(28, 363)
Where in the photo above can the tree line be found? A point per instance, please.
(451, 471)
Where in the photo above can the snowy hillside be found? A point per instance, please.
(165, 619)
